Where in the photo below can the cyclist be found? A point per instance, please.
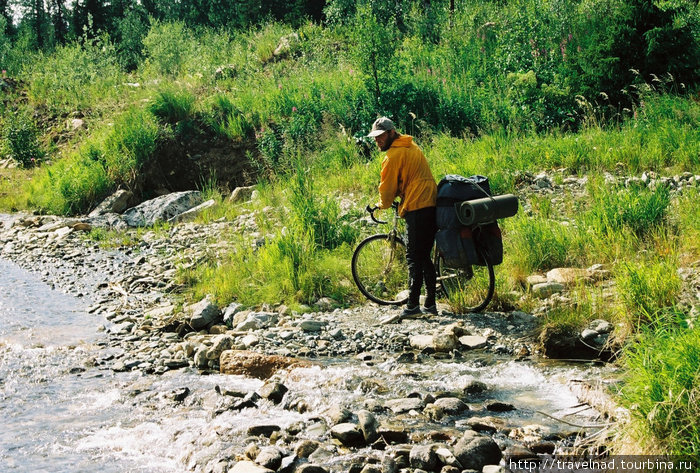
(406, 174)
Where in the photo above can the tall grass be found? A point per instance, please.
(661, 389)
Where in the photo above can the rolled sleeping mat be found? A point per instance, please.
(487, 209)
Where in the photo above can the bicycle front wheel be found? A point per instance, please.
(469, 289)
(380, 270)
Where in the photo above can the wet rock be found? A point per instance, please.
(497, 406)
(368, 426)
(474, 451)
(348, 434)
(421, 342)
(447, 458)
(475, 387)
(306, 448)
(311, 326)
(423, 456)
(263, 430)
(399, 406)
(517, 452)
(543, 447)
(161, 208)
(494, 469)
(179, 395)
(473, 342)
(371, 469)
(273, 391)
(393, 434)
(338, 414)
(451, 405)
(249, 467)
(220, 344)
(308, 468)
(269, 457)
(256, 365)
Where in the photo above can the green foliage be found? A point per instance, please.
(167, 47)
(661, 389)
(172, 106)
(129, 146)
(131, 29)
(647, 290)
(19, 139)
(76, 75)
(637, 208)
(541, 244)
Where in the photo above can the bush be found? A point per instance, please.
(78, 75)
(167, 47)
(19, 140)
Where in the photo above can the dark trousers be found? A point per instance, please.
(421, 228)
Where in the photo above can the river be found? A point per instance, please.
(63, 410)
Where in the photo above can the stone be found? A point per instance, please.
(475, 387)
(451, 405)
(568, 276)
(161, 208)
(474, 451)
(273, 391)
(494, 469)
(190, 214)
(535, 279)
(310, 326)
(473, 342)
(447, 458)
(220, 344)
(423, 456)
(497, 406)
(338, 414)
(269, 457)
(546, 289)
(263, 430)
(399, 406)
(348, 434)
(256, 365)
(368, 426)
(241, 194)
(229, 312)
(308, 468)
(203, 314)
(369, 468)
(249, 467)
(306, 448)
(421, 342)
(115, 203)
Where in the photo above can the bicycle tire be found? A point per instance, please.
(470, 292)
(380, 273)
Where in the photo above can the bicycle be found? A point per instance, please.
(380, 271)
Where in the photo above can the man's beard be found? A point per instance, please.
(388, 143)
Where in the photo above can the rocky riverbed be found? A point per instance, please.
(439, 394)
(332, 389)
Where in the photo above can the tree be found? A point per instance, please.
(33, 14)
(57, 11)
(5, 13)
(89, 17)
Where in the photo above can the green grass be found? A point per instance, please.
(661, 389)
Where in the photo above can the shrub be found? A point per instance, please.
(76, 75)
(168, 47)
(19, 140)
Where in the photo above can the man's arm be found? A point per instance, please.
(389, 183)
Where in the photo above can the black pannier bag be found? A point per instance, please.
(456, 242)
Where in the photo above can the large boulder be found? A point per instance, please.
(162, 208)
(115, 203)
(204, 314)
(256, 365)
(474, 451)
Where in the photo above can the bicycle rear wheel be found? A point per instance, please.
(469, 289)
(380, 270)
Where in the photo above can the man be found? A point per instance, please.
(406, 174)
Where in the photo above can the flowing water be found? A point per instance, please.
(62, 412)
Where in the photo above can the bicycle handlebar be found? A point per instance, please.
(371, 211)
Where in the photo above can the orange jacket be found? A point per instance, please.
(406, 174)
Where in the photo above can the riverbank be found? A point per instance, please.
(411, 390)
